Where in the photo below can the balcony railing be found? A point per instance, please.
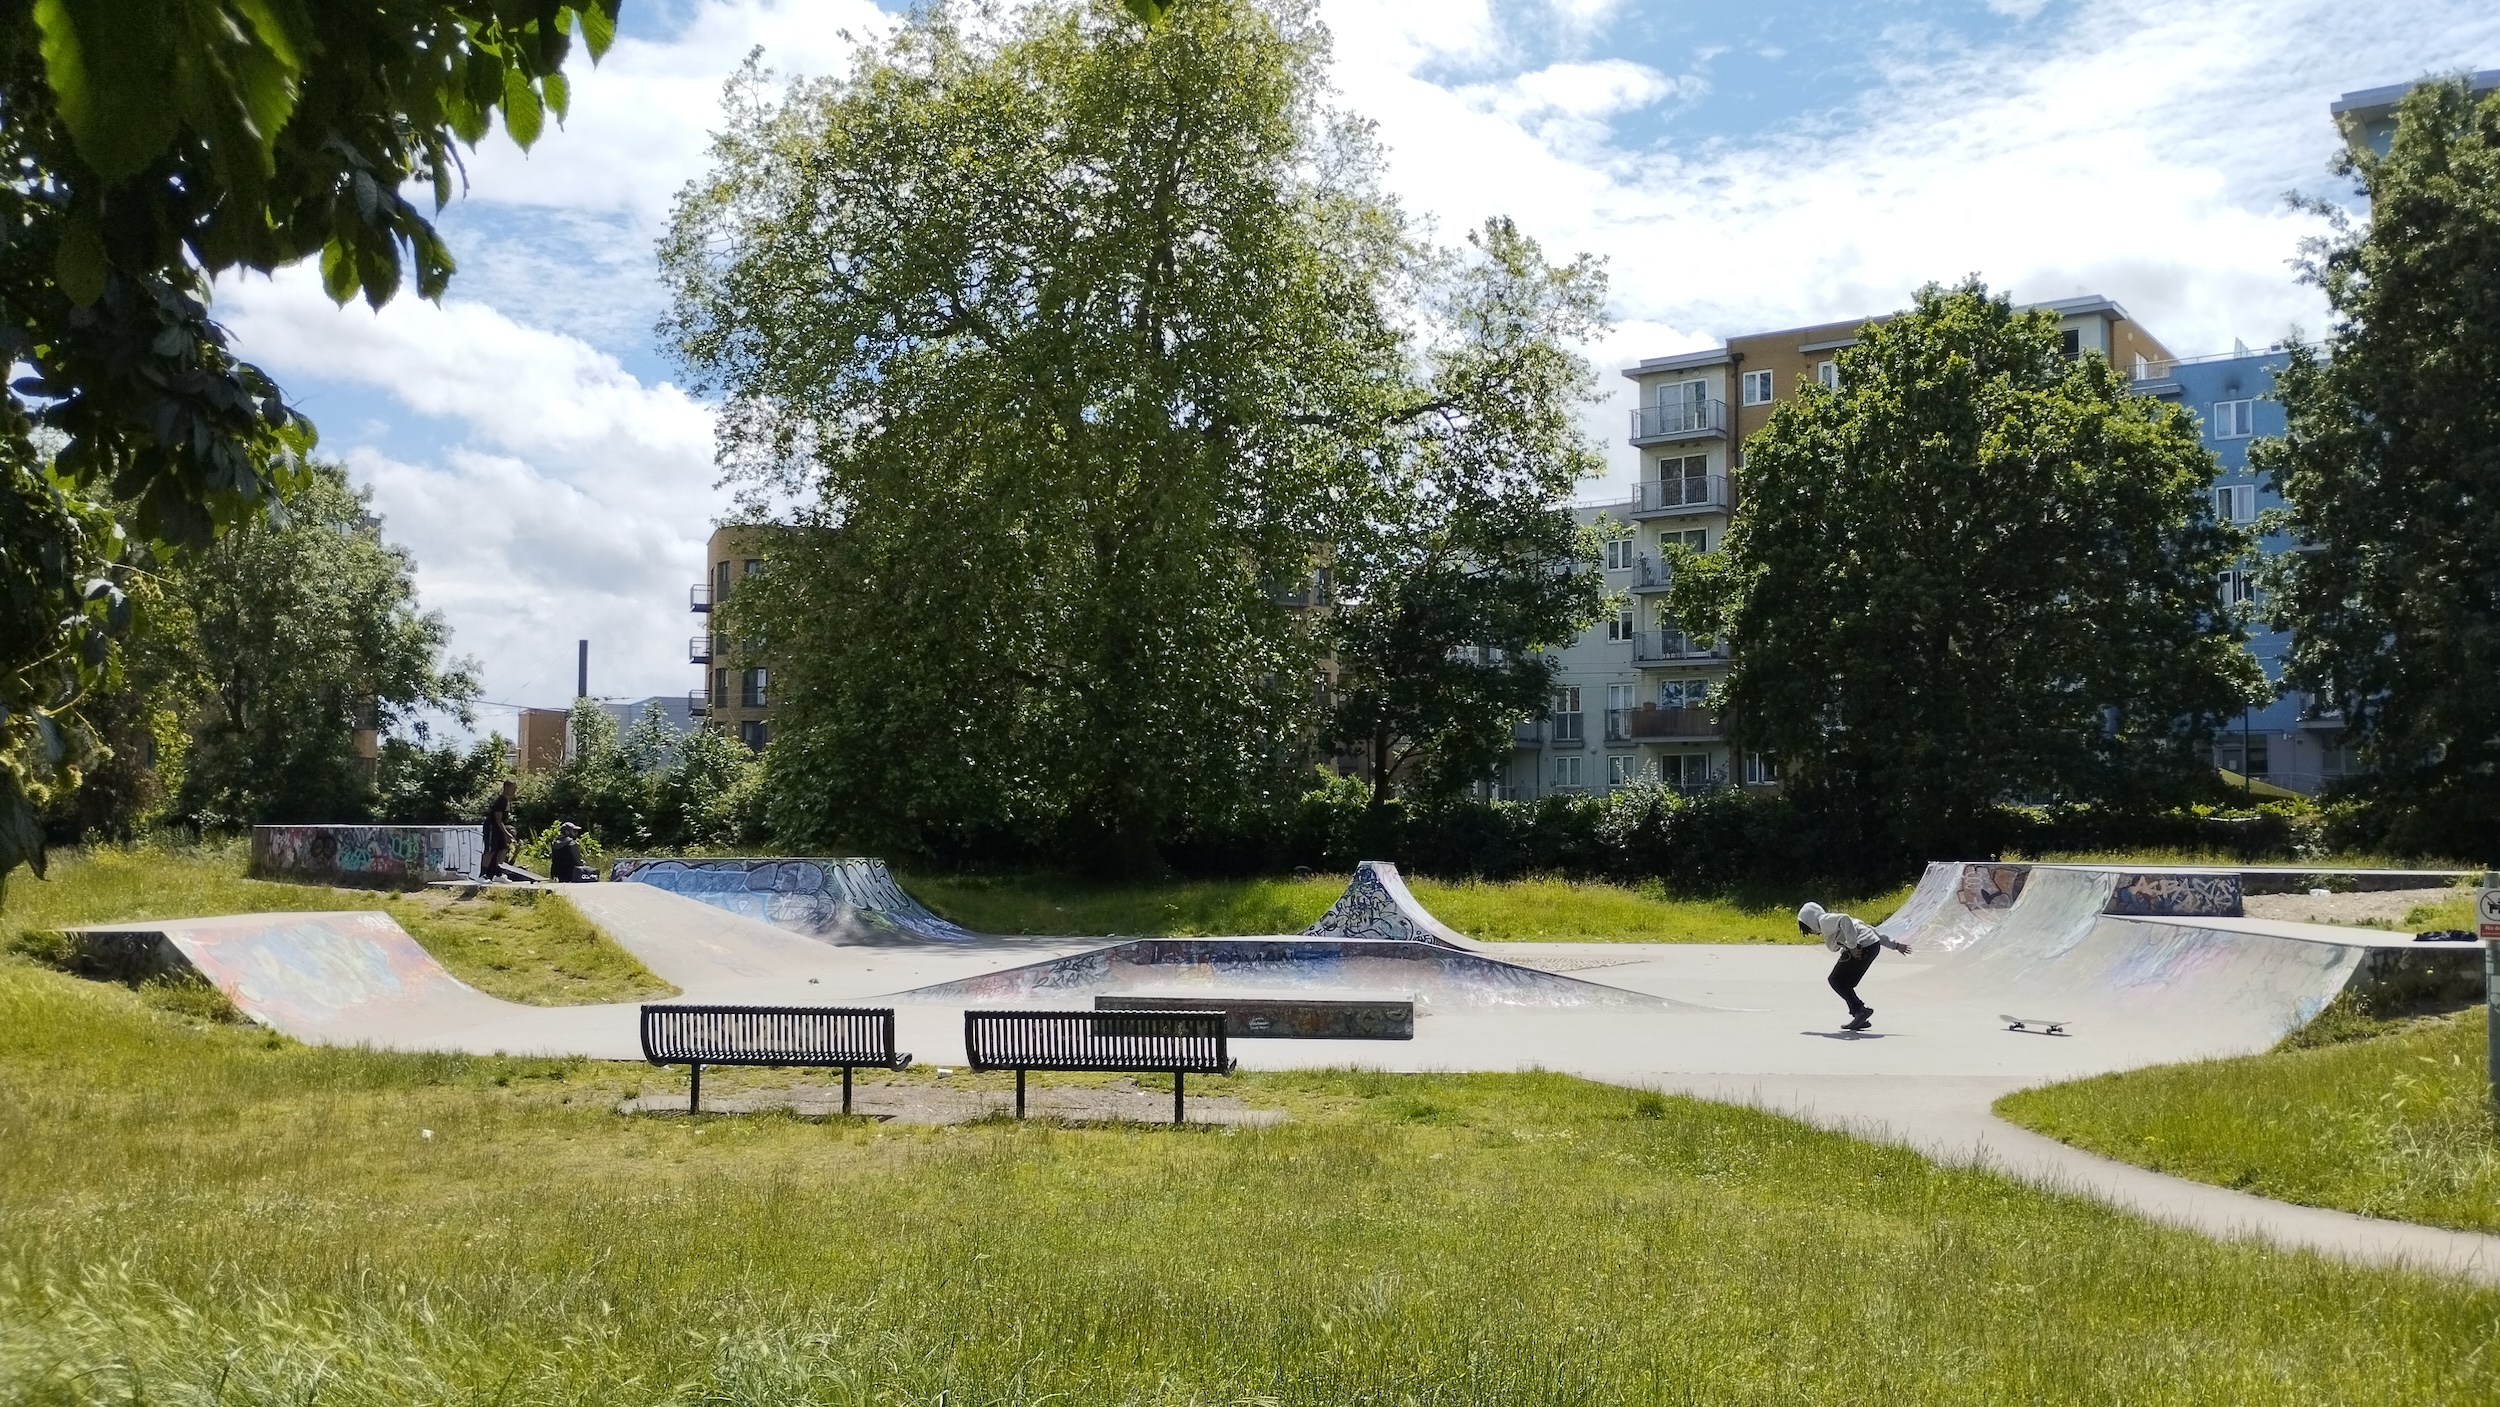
(1527, 734)
(1651, 721)
(699, 650)
(698, 703)
(1672, 647)
(699, 597)
(1650, 574)
(1688, 494)
(1678, 420)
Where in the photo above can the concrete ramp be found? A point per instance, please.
(1430, 974)
(1376, 904)
(329, 978)
(847, 899)
(1956, 903)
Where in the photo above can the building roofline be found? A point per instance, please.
(1681, 361)
(2366, 99)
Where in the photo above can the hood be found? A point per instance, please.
(1811, 915)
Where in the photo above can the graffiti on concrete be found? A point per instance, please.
(389, 857)
(1376, 905)
(1992, 886)
(812, 895)
(2176, 895)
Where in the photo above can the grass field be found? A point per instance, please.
(520, 946)
(1529, 910)
(211, 1214)
(2394, 1126)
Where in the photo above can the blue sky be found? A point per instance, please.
(1740, 166)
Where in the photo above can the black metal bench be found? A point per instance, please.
(848, 1036)
(1182, 1042)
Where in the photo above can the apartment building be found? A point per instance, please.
(735, 696)
(1633, 695)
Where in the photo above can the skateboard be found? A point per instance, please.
(2041, 1025)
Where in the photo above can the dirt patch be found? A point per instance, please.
(947, 1102)
(2385, 907)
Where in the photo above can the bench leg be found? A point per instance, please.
(694, 1089)
(846, 1091)
(1019, 1093)
(1176, 1096)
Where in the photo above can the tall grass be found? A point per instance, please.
(1524, 910)
(216, 1215)
(2398, 1126)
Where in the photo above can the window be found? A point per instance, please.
(1757, 387)
(754, 565)
(1567, 773)
(2143, 368)
(1683, 396)
(1622, 769)
(1685, 770)
(1827, 375)
(1619, 554)
(1683, 693)
(2234, 420)
(720, 688)
(2236, 503)
(2070, 343)
(751, 689)
(751, 733)
(2239, 587)
(1619, 714)
(1696, 540)
(1567, 715)
(2244, 753)
(720, 582)
(1760, 771)
(1620, 628)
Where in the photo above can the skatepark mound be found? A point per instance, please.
(1430, 974)
(327, 978)
(1376, 904)
(849, 899)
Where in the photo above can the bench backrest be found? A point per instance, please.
(1188, 1041)
(768, 1035)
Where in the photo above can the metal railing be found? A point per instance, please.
(698, 703)
(1671, 647)
(1651, 721)
(699, 597)
(699, 650)
(1527, 734)
(1675, 420)
(1650, 574)
(1686, 493)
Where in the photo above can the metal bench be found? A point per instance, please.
(848, 1036)
(1182, 1042)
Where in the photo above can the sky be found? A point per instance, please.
(1739, 168)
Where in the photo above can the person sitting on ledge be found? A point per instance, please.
(565, 859)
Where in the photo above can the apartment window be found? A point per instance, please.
(1619, 554)
(1620, 628)
(752, 734)
(720, 581)
(1696, 540)
(1827, 375)
(751, 689)
(1687, 770)
(1760, 771)
(2236, 503)
(2234, 420)
(1683, 396)
(1567, 715)
(2070, 343)
(720, 688)
(2143, 368)
(1619, 713)
(2239, 587)
(1683, 693)
(754, 565)
(2244, 753)
(1567, 776)
(1757, 387)
(1622, 769)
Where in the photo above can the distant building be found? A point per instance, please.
(544, 745)
(2368, 118)
(735, 697)
(678, 709)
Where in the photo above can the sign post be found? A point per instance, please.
(2487, 927)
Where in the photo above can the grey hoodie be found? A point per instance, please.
(1841, 933)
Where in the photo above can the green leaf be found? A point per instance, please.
(79, 266)
(111, 73)
(338, 271)
(557, 92)
(1149, 12)
(522, 116)
(598, 20)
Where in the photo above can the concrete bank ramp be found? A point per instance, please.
(1431, 974)
(327, 978)
(1377, 904)
(840, 899)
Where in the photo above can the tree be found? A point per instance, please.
(1458, 573)
(1049, 325)
(308, 632)
(2390, 467)
(150, 145)
(1975, 573)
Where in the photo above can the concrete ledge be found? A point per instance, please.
(1287, 1018)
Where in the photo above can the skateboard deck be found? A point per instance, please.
(2040, 1024)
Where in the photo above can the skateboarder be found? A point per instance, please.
(565, 858)
(1857, 945)
(498, 828)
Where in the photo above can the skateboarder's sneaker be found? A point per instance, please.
(1863, 1020)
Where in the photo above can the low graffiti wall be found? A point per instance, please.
(367, 857)
(2177, 896)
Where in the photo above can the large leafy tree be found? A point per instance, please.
(2390, 465)
(1977, 572)
(307, 632)
(1457, 575)
(151, 145)
(1049, 322)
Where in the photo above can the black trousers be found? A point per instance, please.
(1846, 973)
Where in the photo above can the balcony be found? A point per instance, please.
(1650, 574)
(1528, 734)
(699, 598)
(1678, 420)
(1673, 647)
(699, 650)
(1650, 722)
(698, 703)
(1700, 493)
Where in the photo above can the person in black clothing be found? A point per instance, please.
(566, 858)
(498, 826)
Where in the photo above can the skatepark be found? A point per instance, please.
(2139, 966)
